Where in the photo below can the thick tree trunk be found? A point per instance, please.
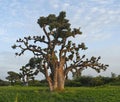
(56, 79)
(61, 79)
(57, 84)
(50, 84)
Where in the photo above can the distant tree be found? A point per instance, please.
(113, 75)
(97, 81)
(13, 77)
(26, 74)
(58, 54)
(118, 77)
(3, 83)
(29, 71)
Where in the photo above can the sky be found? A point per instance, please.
(99, 21)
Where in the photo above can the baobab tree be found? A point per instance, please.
(13, 77)
(58, 55)
(29, 71)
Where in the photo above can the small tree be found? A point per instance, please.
(13, 77)
(25, 75)
(3, 83)
(97, 81)
(29, 70)
(58, 54)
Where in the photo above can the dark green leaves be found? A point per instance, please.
(58, 25)
(76, 31)
(82, 46)
(42, 21)
(14, 46)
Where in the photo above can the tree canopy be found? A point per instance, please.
(13, 77)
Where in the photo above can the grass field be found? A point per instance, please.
(77, 94)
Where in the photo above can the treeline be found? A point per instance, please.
(93, 81)
(20, 83)
(4, 83)
(75, 82)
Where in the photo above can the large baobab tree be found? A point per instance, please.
(57, 54)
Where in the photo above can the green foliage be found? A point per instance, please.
(84, 80)
(72, 83)
(41, 94)
(42, 83)
(59, 25)
(115, 83)
(4, 83)
(93, 81)
(13, 77)
(97, 81)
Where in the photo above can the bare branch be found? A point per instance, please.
(92, 63)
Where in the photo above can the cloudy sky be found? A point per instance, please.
(99, 21)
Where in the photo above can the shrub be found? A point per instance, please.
(72, 83)
(4, 83)
(96, 81)
(85, 80)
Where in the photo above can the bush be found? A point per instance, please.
(84, 80)
(72, 83)
(106, 80)
(38, 83)
(115, 83)
(97, 81)
(4, 83)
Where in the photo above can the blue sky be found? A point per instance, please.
(99, 21)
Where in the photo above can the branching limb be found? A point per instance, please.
(93, 63)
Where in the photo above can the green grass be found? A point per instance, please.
(77, 94)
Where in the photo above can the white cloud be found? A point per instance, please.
(103, 1)
(99, 37)
(96, 20)
(54, 4)
(10, 61)
(66, 6)
(2, 31)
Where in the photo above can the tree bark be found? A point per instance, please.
(57, 83)
(50, 84)
(56, 79)
(61, 79)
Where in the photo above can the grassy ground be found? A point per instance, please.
(77, 94)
